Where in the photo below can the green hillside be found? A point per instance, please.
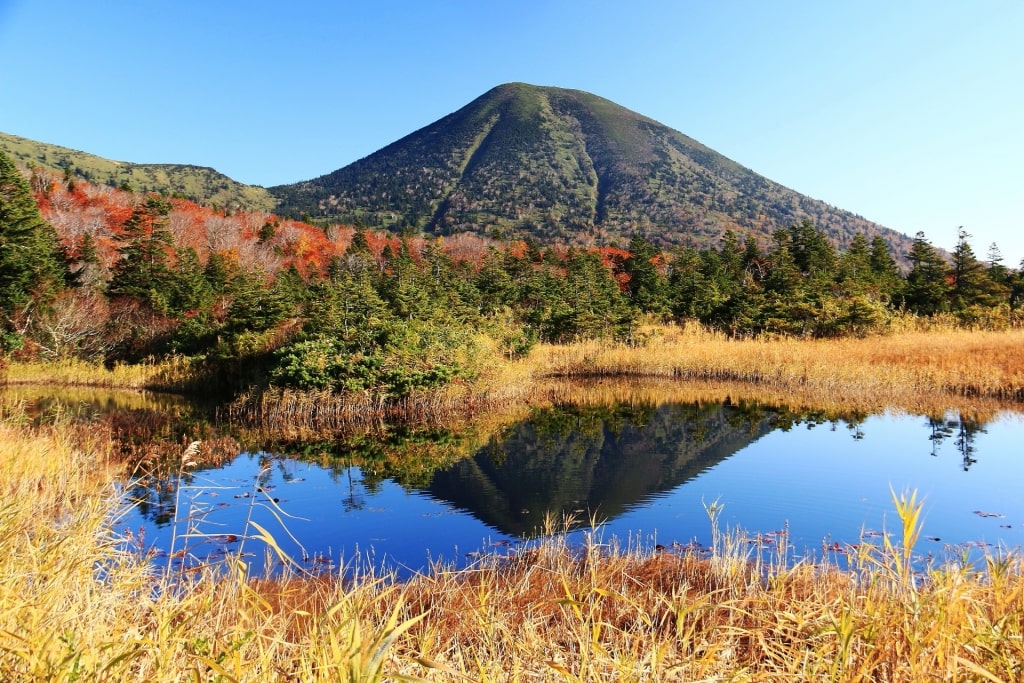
(561, 165)
(198, 183)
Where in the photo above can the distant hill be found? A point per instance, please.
(198, 183)
(561, 165)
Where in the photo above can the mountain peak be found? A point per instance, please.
(555, 164)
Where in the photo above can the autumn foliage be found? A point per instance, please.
(259, 299)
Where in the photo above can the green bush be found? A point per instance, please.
(406, 362)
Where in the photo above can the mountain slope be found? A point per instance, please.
(197, 183)
(557, 164)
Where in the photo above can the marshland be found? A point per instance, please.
(412, 367)
(87, 597)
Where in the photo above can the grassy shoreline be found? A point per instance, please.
(916, 368)
(77, 604)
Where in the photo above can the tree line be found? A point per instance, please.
(392, 315)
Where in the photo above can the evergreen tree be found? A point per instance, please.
(695, 283)
(885, 270)
(449, 286)
(30, 262)
(926, 290)
(731, 255)
(855, 266)
(997, 272)
(598, 307)
(255, 306)
(192, 291)
(347, 306)
(783, 277)
(85, 260)
(402, 287)
(646, 285)
(1016, 284)
(143, 270)
(219, 272)
(754, 262)
(972, 285)
(813, 255)
(494, 283)
(359, 257)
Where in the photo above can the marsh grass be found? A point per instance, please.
(915, 367)
(924, 370)
(297, 413)
(895, 369)
(75, 604)
(79, 603)
(171, 374)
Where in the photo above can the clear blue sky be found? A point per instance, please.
(908, 112)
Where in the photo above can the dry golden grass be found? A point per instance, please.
(901, 369)
(926, 370)
(76, 605)
(169, 374)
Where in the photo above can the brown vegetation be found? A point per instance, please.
(77, 603)
(892, 370)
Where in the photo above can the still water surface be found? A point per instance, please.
(645, 474)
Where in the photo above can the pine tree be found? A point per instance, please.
(855, 266)
(191, 291)
(30, 262)
(885, 270)
(972, 285)
(927, 290)
(646, 285)
(143, 271)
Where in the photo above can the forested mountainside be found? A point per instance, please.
(550, 165)
(562, 166)
(199, 184)
(247, 298)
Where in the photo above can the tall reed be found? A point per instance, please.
(78, 602)
(170, 374)
(895, 369)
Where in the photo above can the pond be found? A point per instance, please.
(644, 474)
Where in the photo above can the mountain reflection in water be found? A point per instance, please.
(591, 465)
(644, 471)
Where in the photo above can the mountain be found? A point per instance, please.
(561, 165)
(520, 161)
(199, 183)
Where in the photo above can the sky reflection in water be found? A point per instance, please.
(646, 476)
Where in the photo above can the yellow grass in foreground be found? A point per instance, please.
(74, 607)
